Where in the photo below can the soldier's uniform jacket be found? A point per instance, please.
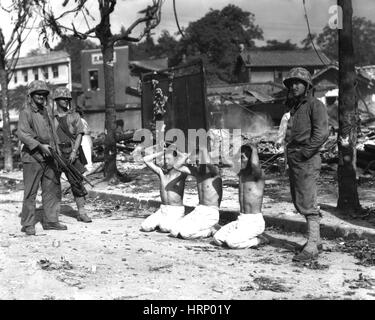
(74, 124)
(35, 126)
(307, 127)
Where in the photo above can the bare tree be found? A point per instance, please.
(22, 15)
(348, 115)
(102, 31)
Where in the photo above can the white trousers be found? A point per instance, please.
(164, 218)
(197, 224)
(242, 233)
(87, 150)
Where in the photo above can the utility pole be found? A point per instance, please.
(348, 201)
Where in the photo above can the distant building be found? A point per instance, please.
(53, 67)
(325, 80)
(232, 105)
(261, 66)
(126, 73)
(326, 84)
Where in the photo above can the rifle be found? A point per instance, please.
(68, 168)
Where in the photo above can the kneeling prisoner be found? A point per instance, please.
(172, 185)
(201, 221)
(243, 232)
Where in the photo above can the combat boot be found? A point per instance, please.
(54, 226)
(82, 211)
(310, 250)
(29, 230)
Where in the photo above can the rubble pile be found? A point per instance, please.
(366, 149)
(124, 143)
(329, 151)
(266, 146)
(268, 152)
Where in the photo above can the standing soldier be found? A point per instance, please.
(70, 131)
(306, 132)
(37, 132)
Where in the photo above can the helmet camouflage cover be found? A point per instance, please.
(37, 86)
(62, 92)
(298, 74)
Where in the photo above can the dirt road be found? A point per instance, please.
(111, 259)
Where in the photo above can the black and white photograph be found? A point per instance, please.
(200, 152)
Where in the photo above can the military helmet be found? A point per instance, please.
(37, 86)
(62, 93)
(300, 74)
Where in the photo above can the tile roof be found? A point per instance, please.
(284, 58)
(43, 59)
(239, 92)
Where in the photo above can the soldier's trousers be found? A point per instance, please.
(43, 173)
(303, 177)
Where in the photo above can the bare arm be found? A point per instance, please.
(148, 160)
(255, 165)
(180, 164)
(79, 132)
(77, 143)
(282, 128)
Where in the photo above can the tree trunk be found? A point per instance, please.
(348, 200)
(7, 147)
(110, 169)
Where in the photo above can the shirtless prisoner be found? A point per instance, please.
(201, 221)
(243, 232)
(172, 184)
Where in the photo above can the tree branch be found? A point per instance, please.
(78, 8)
(125, 36)
(151, 18)
(12, 62)
(106, 7)
(22, 15)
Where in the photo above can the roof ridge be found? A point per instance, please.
(290, 58)
(45, 54)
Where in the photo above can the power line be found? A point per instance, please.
(175, 15)
(310, 36)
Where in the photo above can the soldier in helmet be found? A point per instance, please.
(307, 131)
(70, 130)
(37, 132)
